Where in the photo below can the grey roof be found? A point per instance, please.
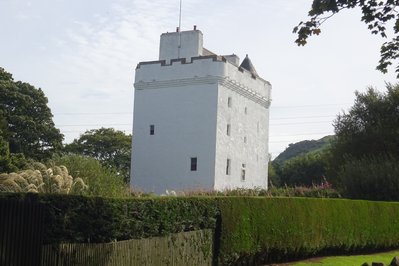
(247, 64)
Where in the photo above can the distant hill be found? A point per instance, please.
(303, 147)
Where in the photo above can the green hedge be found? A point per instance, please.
(249, 230)
(256, 230)
(79, 219)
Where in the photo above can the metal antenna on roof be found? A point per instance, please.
(178, 48)
(180, 16)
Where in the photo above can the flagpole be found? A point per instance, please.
(178, 48)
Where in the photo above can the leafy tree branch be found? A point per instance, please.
(375, 14)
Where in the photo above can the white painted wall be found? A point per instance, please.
(185, 124)
(185, 44)
(253, 153)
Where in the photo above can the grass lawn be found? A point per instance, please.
(357, 260)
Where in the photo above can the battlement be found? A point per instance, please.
(214, 57)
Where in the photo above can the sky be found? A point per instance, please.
(83, 53)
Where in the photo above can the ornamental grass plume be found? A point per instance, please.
(42, 180)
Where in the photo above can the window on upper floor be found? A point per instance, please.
(152, 129)
(229, 102)
(193, 164)
(245, 110)
(245, 139)
(228, 167)
(228, 130)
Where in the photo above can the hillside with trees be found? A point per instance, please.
(303, 147)
(361, 160)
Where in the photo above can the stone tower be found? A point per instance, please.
(201, 120)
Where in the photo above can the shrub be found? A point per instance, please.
(371, 177)
(324, 190)
(42, 179)
(101, 180)
(304, 170)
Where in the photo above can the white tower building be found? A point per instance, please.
(201, 121)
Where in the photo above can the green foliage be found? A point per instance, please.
(304, 147)
(371, 125)
(41, 179)
(101, 181)
(371, 177)
(79, 219)
(370, 128)
(304, 170)
(259, 230)
(111, 147)
(5, 161)
(248, 230)
(272, 177)
(26, 120)
(375, 14)
(385, 257)
(323, 190)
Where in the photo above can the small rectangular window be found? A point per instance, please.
(228, 130)
(228, 166)
(243, 172)
(152, 129)
(245, 139)
(245, 110)
(229, 102)
(193, 166)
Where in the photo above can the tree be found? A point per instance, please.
(111, 147)
(372, 177)
(273, 177)
(5, 161)
(370, 127)
(366, 149)
(304, 170)
(303, 147)
(26, 120)
(375, 13)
